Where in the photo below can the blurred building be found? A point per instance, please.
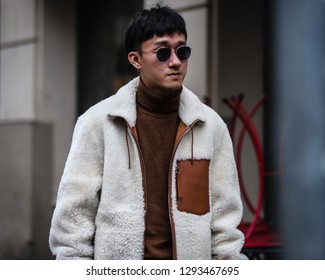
(60, 57)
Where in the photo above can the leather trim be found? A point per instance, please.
(182, 128)
(192, 179)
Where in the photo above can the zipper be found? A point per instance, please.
(178, 185)
(144, 180)
(182, 131)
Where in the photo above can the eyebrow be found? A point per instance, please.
(166, 43)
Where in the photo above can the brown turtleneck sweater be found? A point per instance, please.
(157, 123)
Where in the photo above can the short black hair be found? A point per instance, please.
(158, 20)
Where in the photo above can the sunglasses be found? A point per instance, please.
(163, 54)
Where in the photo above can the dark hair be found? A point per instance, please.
(158, 20)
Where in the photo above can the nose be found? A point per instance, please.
(174, 61)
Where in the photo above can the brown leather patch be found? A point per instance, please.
(192, 180)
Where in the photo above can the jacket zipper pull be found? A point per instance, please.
(179, 200)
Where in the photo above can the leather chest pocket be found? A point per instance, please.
(192, 181)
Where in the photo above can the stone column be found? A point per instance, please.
(299, 85)
(37, 115)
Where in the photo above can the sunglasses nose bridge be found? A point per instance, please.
(174, 59)
(174, 55)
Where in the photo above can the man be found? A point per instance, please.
(151, 172)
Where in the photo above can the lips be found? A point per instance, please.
(174, 75)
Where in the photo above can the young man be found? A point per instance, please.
(151, 172)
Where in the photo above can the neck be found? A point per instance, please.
(159, 101)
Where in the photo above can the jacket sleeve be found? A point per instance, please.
(227, 240)
(73, 222)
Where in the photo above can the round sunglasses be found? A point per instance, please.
(164, 53)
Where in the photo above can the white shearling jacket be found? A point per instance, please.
(101, 203)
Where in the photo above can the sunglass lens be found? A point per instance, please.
(183, 53)
(163, 54)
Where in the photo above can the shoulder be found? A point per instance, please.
(192, 108)
(213, 115)
(95, 115)
(122, 104)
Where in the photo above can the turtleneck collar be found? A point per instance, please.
(157, 102)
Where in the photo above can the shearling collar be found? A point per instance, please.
(123, 104)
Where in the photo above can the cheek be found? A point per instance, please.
(184, 68)
(154, 71)
(152, 75)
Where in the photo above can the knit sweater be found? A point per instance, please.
(157, 110)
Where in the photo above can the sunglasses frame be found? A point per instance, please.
(170, 53)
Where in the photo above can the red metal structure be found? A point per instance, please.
(261, 238)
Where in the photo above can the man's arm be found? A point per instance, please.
(227, 210)
(73, 222)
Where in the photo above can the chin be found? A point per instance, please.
(174, 86)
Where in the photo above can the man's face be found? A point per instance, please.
(166, 75)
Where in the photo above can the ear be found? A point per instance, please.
(135, 60)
